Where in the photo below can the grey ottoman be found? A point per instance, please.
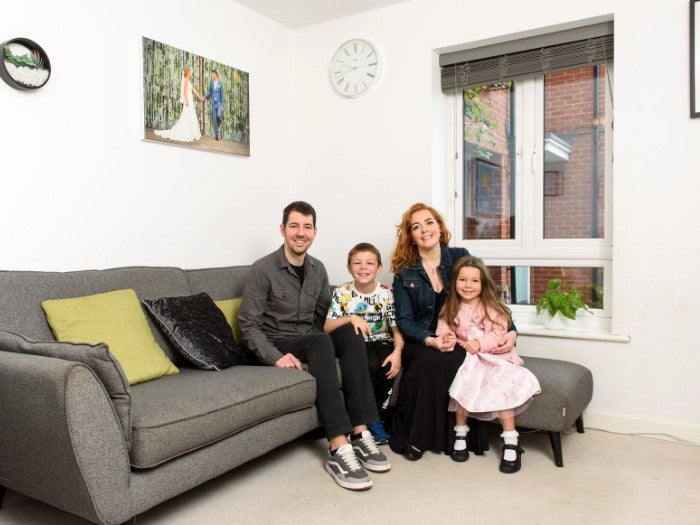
(567, 388)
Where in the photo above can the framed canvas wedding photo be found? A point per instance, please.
(694, 59)
(193, 101)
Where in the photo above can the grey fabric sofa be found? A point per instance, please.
(61, 441)
(567, 388)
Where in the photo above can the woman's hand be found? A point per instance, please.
(444, 343)
(506, 344)
(393, 359)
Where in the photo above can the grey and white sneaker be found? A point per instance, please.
(346, 470)
(368, 453)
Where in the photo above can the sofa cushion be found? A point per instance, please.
(114, 318)
(21, 293)
(182, 413)
(230, 308)
(97, 357)
(219, 283)
(198, 329)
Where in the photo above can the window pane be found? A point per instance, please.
(574, 154)
(526, 284)
(489, 181)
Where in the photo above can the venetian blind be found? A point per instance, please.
(526, 57)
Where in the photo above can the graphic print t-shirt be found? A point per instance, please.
(376, 308)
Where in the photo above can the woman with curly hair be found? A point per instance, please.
(422, 263)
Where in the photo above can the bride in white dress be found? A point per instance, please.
(186, 129)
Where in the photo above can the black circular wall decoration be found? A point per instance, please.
(24, 64)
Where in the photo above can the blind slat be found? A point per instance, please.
(521, 64)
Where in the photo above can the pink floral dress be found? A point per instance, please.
(487, 382)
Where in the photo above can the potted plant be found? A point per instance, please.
(560, 304)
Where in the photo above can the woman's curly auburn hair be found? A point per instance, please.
(406, 252)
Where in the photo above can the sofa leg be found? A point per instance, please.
(579, 424)
(132, 521)
(555, 440)
(2, 494)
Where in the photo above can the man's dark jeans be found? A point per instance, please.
(319, 351)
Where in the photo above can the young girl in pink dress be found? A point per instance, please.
(488, 384)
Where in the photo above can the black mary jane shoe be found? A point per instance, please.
(460, 456)
(511, 467)
(413, 454)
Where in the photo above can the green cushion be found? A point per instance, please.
(230, 309)
(116, 319)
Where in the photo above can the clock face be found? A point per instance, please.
(354, 68)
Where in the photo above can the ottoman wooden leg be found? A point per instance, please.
(579, 424)
(2, 494)
(555, 440)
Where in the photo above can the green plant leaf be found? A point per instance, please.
(556, 300)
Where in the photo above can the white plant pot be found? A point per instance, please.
(556, 322)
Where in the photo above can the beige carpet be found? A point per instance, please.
(607, 478)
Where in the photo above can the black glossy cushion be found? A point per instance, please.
(198, 329)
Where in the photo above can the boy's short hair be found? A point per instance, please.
(301, 207)
(364, 247)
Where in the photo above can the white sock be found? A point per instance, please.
(461, 437)
(510, 437)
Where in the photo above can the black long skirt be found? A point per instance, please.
(420, 416)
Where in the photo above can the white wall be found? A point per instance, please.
(79, 189)
(388, 150)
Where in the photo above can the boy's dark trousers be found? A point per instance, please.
(377, 352)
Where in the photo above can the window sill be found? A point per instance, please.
(590, 334)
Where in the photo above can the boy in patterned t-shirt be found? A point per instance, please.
(369, 306)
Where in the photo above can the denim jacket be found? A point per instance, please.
(414, 297)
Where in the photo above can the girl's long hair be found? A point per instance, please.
(406, 252)
(490, 298)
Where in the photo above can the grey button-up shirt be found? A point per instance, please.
(276, 305)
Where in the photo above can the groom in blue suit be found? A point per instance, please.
(216, 93)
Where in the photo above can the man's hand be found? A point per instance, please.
(288, 361)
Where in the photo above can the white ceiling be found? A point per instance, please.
(301, 13)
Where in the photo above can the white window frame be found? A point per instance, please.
(529, 247)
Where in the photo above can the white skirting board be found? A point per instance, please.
(660, 429)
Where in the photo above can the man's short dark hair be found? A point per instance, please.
(301, 207)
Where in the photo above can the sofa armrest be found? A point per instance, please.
(61, 442)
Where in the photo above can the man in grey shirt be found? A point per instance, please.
(285, 302)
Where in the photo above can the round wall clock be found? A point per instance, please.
(24, 64)
(355, 67)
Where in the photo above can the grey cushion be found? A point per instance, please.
(567, 388)
(198, 329)
(96, 357)
(21, 294)
(177, 414)
(219, 283)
